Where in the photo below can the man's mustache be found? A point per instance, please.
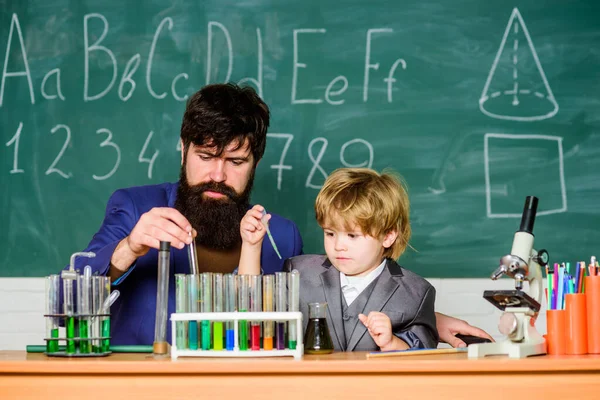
(217, 187)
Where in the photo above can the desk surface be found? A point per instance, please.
(347, 375)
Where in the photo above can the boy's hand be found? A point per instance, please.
(380, 328)
(252, 227)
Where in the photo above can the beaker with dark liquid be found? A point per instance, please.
(317, 339)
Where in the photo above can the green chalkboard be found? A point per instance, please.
(476, 103)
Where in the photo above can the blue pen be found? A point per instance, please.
(561, 285)
(266, 224)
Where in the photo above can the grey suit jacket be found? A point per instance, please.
(406, 298)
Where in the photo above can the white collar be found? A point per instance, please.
(361, 282)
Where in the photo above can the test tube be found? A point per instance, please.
(268, 285)
(181, 306)
(243, 287)
(218, 307)
(96, 321)
(193, 283)
(280, 306)
(230, 306)
(69, 311)
(108, 297)
(84, 309)
(293, 305)
(206, 279)
(52, 310)
(162, 298)
(255, 306)
(193, 256)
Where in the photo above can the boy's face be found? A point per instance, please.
(353, 252)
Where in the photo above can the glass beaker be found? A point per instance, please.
(317, 339)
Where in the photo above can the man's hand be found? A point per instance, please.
(447, 327)
(160, 224)
(380, 328)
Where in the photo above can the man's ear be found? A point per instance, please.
(389, 239)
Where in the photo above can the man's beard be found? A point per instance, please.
(217, 221)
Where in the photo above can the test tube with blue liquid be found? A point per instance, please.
(280, 306)
(218, 307)
(268, 331)
(293, 305)
(52, 312)
(206, 279)
(255, 306)
(230, 306)
(181, 306)
(243, 299)
(193, 282)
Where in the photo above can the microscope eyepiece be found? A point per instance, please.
(528, 217)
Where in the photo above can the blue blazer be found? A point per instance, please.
(133, 314)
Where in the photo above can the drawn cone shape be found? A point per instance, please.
(516, 88)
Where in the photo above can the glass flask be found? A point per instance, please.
(317, 339)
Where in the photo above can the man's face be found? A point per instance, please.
(214, 192)
(233, 168)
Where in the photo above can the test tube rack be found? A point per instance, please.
(237, 317)
(64, 346)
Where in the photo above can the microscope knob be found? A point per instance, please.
(507, 324)
(542, 258)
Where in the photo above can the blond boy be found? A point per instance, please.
(373, 303)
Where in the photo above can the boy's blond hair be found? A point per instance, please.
(377, 203)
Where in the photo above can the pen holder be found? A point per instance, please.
(577, 331)
(592, 293)
(556, 321)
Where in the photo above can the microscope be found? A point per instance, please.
(520, 307)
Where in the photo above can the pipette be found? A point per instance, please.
(266, 224)
(293, 305)
(160, 345)
(268, 284)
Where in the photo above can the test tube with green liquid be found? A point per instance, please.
(84, 309)
(293, 305)
(267, 301)
(96, 321)
(230, 306)
(218, 307)
(52, 310)
(105, 329)
(280, 306)
(181, 306)
(69, 311)
(255, 306)
(193, 282)
(206, 279)
(243, 299)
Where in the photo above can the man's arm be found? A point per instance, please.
(448, 327)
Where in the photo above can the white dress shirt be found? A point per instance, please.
(352, 286)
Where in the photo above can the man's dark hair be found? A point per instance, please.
(220, 114)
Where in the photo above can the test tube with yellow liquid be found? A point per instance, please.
(268, 331)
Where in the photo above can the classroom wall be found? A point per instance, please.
(22, 307)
